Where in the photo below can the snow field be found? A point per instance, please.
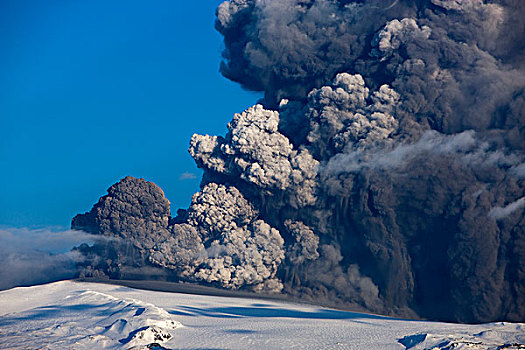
(79, 315)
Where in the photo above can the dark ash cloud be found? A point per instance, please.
(383, 170)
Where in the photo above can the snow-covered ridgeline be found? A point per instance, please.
(74, 315)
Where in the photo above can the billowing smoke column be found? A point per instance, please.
(384, 168)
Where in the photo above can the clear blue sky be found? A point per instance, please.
(92, 91)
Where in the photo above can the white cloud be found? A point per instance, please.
(187, 176)
(502, 212)
(31, 256)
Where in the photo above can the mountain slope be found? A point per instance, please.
(79, 315)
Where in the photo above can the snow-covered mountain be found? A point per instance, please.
(80, 315)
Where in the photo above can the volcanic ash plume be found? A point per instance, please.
(383, 170)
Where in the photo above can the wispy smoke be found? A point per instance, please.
(187, 176)
(383, 169)
(38, 256)
(502, 212)
(464, 147)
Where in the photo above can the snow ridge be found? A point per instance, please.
(90, 320)
(497, 336)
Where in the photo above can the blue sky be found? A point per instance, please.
(92, 91)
